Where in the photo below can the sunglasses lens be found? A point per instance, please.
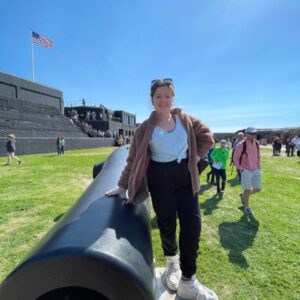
(155, 81)
(158, 81)
(168, 80)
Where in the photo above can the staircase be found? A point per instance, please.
(26, 119)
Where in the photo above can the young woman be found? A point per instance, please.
(163, 159)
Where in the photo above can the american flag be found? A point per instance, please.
(44, 41)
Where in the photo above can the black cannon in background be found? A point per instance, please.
(101, 249)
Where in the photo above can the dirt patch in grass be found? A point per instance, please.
(16, 221)
(95, 153)
(13, 223)
(81, 180)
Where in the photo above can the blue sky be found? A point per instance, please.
(235, 63)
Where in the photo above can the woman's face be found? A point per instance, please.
(163, 99)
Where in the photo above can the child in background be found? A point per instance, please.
(219, 157)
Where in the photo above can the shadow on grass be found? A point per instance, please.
(234, 181)
(210, 204)
(238, 237)
(205, 187)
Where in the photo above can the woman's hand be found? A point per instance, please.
(118, 191)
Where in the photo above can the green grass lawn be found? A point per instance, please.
(239, 257)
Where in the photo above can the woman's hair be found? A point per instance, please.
(155, 86)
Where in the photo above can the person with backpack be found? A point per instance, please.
(247, 160)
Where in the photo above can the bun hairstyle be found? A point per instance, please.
(160, 83)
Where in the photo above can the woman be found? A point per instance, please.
(163, 159)
(11, 149)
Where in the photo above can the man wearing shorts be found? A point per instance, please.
(247, 160)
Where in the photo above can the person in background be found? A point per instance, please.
(220, 155)
(240, 137)
(58, 146)
(233, 139)
(127, 139)
(295, 141)
(210, 176)
(276, 146)
(62, 145)
(288, 146)
(247, 160)
(298, 149)
(120, 140)
(163, 158)
(11, 149)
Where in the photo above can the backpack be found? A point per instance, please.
(245, 148)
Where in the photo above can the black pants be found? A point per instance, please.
(292, 150)
(171, 193)
(212, 173)
(221, 173)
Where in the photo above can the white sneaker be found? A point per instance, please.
(194, 290)
(172, 274)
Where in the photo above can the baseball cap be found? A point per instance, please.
(251, 130)
(11, 136)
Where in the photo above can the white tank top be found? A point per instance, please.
(166, 146)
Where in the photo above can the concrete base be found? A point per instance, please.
(162, 293)
(33, 145)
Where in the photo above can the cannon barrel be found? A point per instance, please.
(100, 249)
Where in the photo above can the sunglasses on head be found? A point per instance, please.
(167, 81)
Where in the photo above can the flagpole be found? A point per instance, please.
(32, 57)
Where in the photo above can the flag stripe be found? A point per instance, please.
(42, 40)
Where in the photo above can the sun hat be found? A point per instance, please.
(11, 136)
(223, 142)
(251, 130)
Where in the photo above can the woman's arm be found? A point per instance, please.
(123, 181)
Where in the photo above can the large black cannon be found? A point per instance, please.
(101, 249)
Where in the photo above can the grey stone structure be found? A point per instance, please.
(118, 121)
(34, 113)
(17, 88)
(34, 145)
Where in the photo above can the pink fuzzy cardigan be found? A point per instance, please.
(133, 177)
